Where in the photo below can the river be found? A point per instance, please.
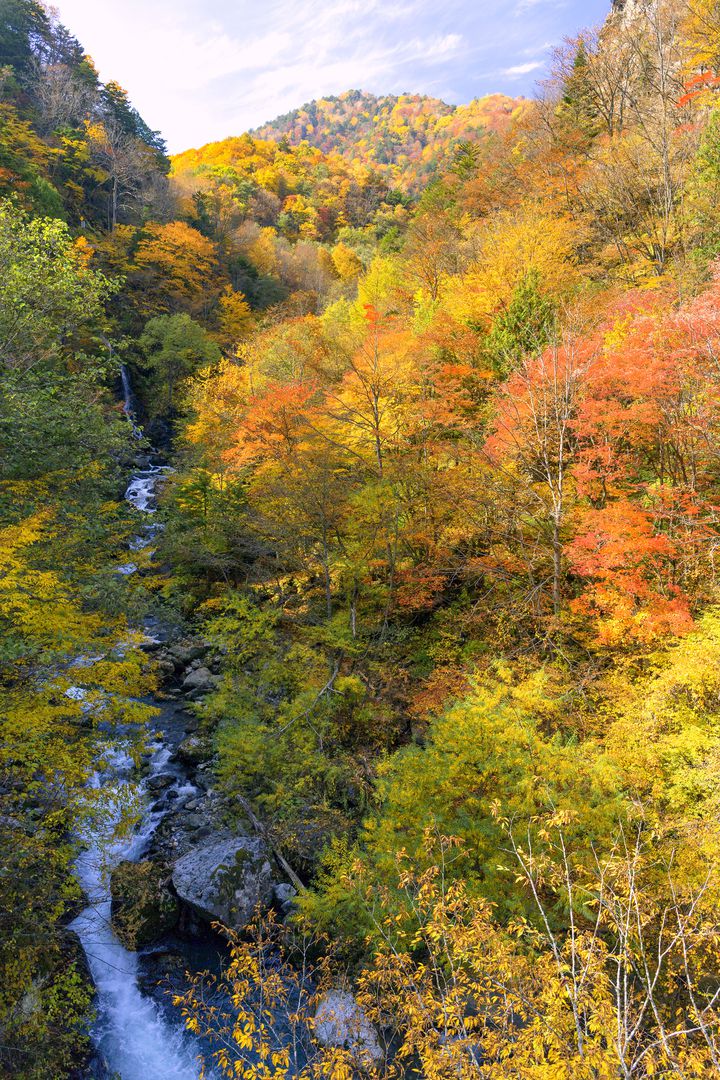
(133, 1040)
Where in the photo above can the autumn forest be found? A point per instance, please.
(360, 575)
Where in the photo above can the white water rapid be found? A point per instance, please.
(132, 1039)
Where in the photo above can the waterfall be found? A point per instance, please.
(129, 403)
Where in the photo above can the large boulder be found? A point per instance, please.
(341, 1022)
(225, 879)
(143, 908)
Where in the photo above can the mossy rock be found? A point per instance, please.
(143, 908)
(194, 749)
(225, 879)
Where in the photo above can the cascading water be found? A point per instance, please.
(128, 395)
(133, 1040)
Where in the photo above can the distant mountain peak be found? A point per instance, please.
(389, 129)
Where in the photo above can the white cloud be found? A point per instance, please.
(524, 69)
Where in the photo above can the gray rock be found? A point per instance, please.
(285, 897)
(284, 893)
(152, 646)
(188, 820)
(166, 668)
(200, 680)
(185, 654)
(159, 782)
(193, 750)
(340, 1021)
(194, 821)
(225, 880)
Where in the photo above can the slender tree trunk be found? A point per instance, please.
(557, 566)
(114, 202)
(326, 574)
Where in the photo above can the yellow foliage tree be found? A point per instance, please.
(511, 246)
(346, 262)
(235, 319)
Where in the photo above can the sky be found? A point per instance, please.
(201, 70)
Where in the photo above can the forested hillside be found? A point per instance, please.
(411, 134)
(436, 565)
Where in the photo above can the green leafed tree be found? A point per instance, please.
(50, 296)
(175, 347)
(523, 328)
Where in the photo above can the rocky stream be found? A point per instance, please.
(153, 895)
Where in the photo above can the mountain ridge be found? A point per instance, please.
(361, 110)
(408, 134)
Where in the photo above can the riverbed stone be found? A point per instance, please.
(159, 781)
(160, 971)
(341, 1022)
(225, 879)
(194, 749)
(199, 680)
(194, 821)
(153, 646)
(166, 668)
(143, 907)
(185, 652)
